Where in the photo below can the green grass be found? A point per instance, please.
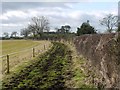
(54, 69)
(11, 46)
(78, 70)
(48, 71)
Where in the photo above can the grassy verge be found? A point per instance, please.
(60, 67)
(50, 70)
(78, 69)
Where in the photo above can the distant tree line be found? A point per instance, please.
(39, 28)
(110, 21)
(13, 35)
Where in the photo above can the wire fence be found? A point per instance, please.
(11, 60)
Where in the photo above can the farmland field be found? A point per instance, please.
(10, 46)
(21, 52)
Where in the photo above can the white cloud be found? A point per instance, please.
(70, 5)
(57, 15)
(3, 17)
(15, 13)
(75, 14)
(11, 25)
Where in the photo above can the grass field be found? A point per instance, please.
(21, 51)
(11, 46)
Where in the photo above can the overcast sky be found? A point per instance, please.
(17, 15)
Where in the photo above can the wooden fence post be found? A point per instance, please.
(44, 47)
(8, 64)
(33, 52)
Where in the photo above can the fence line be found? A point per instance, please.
(11, 60)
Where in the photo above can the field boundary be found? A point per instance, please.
(17, 52)
(9, 61)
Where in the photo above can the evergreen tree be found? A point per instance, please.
(85, 29)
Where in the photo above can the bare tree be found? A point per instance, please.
(14, 34)
(110, 21)
(67, 28)
(63, 29)
(32, 30)
(40, 24)
(6, 34)
(25, 32)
